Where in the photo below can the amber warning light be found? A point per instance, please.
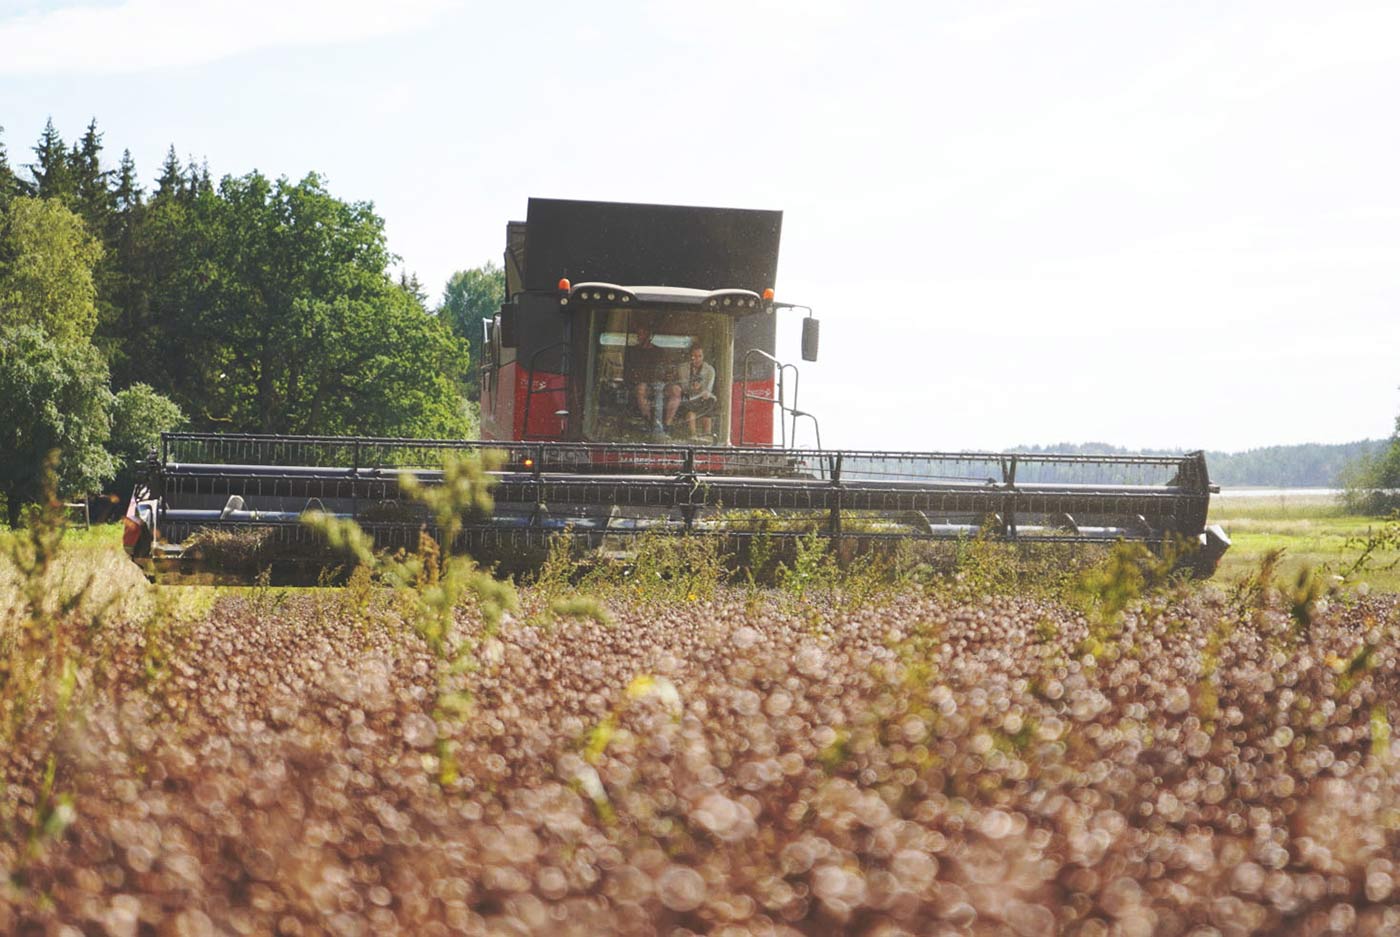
(768, 294)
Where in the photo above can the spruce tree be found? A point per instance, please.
(171, 182)
(410, 284)
(197, 179)
(53, 176)
(11, 185)
(126, 190)
(94, 200)
(125, 291)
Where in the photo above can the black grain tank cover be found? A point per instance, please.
(651, 245)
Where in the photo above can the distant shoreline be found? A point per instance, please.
(1248, 492)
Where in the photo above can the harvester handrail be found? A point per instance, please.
(681, 451)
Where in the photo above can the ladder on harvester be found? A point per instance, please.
(781, 398)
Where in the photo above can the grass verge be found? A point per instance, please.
(1313, 530)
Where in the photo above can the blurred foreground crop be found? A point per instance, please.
(705, 758)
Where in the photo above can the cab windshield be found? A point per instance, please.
(658, 375)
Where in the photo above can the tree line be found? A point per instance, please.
(1306, 465)
(244, 305)
(1372, 482)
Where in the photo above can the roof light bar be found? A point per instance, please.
(742, 299)
(598, 293)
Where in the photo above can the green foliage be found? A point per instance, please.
(53, 176)
(34, 551)
(1251, 594)
(42, 632)
(51, 398)
(663, 568)
(1372, 481)
(139, 416)
(469, 297)
(357, 596)
(553, 585)
(836, 754)
(46, 261)
(252, 305)
(1129, 573)
(983, 566)
(1369, 547)
(555, 576)
(1300, 590)
(92, 196)
(1380, 732)
(581, 606)
(759, 557)
(812, 571)
(11, 185)
(813, 567)
(1360, 664)
(277, 315)
(1301, 594)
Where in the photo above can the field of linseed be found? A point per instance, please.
(751, 764)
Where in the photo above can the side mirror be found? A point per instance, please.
(507, 326)
(811, 337)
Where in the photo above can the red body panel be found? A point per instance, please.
(551, 394)
(757, 422)
(131, 526)
(506, 420)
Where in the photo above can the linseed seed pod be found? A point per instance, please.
(829, 746)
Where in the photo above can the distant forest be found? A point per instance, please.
(1307, 465)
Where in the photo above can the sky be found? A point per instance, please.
(1169, 224)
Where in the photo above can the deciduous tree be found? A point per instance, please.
(274, 311)
(52, 396)
(139, 416)
(470, 296)
(46, 261)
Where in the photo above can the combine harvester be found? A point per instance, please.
(631, 382)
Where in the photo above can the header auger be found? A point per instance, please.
(630, 385)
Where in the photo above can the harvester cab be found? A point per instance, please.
(630, 378)
(638, 323)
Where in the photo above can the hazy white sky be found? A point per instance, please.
(1151, 224)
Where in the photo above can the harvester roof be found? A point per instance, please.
(676, 246)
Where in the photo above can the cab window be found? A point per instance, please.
(640, 383)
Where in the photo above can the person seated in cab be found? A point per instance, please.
(696, 398)
(647, 371)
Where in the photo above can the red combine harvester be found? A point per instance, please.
(631, 379)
